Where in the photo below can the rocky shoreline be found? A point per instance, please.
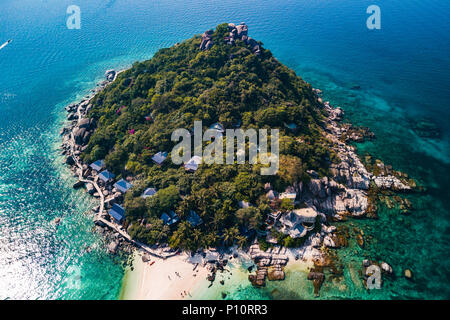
(352, 190)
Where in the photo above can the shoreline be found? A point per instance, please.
(350, 198)
(173, 278)
(157, 279)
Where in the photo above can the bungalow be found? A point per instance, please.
(106, 176)
(98, 165)
(193, 163)
(149, 192)
(194, 219)
(218, 127)
(117, 212)
(160, 157)
(122, 185)
(170, 218)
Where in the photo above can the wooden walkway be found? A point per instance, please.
(98, 217)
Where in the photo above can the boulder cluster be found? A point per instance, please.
(83, 131)
(241, 32)
(269, 264)
(236, 32)
(345, 191)
(207, 41)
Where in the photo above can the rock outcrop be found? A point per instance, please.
(207, 41)
(269, 264)
(241, 32)
(236, 32)
(346, 191)
(110, 75)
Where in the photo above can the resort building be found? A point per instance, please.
(122, 185)
(149, 192)
(98, 165)
(193, 163)
(160, 157)
(297, 222)
(106, 176)
(273, 217)
(194, 219)
(117, 212)
(218, 127)
(170, 218)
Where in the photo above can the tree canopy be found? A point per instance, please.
(138, 112)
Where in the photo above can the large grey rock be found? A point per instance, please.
(113, 246)
(79, 135)
(386, 267)
(90, 188)
(110, 74)
(329, 242)
(70, 161)
(86, 123)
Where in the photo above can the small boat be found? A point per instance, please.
(152, 263)
(5, 44)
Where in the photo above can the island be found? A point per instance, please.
(118, 143)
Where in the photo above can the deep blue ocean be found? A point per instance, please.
(392, 80)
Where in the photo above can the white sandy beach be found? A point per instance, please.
(159, 281)
(171, 279)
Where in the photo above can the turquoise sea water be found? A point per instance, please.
(403, 74)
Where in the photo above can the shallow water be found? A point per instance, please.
(403, 74)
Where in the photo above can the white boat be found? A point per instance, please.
(5, 44)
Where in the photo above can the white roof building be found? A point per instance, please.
(193, 163)
(160, 157)
(149, 192)
(298, 222)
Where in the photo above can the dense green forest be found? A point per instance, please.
(138, 112)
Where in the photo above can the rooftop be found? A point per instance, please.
(194, 219)
(217, 126)
(160, 157)
(149, 192)
(98, 165)
(122, 185)
(106, 176)
(170, 218)
(117, 212)
(193, 163)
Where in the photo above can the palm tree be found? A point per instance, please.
(211, 239)
(241, 241)
(229, 235)
(196, 235)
